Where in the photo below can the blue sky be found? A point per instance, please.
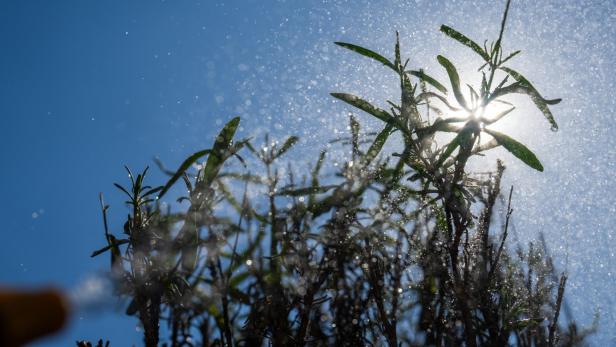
(89, 86)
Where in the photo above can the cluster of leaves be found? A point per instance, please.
(383, 250)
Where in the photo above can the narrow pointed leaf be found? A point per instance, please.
(517, 149)
(368, 53)
(510, 56)
(354, 135)
(152, 191)
(499, 116)
(540, 102)
(443, 125)
(428, 95)
(397, 58)
(365, 106)
(464, 139)
(219, 151)
(124, 190)
(290, 142)
(113, 244)
(180, 171)
(428, 79)
(305, 191)
(449, 149)
(454, 78)
(474, 95)
(408, 109)
(454, 34)
(377, 145)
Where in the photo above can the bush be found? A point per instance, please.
(391, 247)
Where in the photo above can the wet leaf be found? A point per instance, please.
(498, 116)
(540, 102)
(368, 53)
(428, 79)
(462, 139)
(112, 244)
(517, 149)
(183, 167)
(377, 145)
(449, 150)
(305, 191)
(454, 78)
(290, 142)
(427, 95)
(443, 125)
(454, 34)
(219, 153)
(367, 107)
(509, 57)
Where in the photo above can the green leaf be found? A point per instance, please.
(454, 34)
(354, 135)
(314, 182)
(454, 78)
(408, 109)
(428, 79)
(366, 107)
(152, 191)
(449, 149)
(509, 57)
(517, 149)
(305, 191)
(498, 116)
(428, 95)
(463, 140)
(124, 190)
(474, 95)
(113, 244)
(397, 58)
(290, 142)
(443, 125)
(219, 151)
(368, 53)
(180, 171)
(377, 145)
(540, 102)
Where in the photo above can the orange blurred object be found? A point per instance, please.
(28, 315)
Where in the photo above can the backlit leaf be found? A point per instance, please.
(454, 34)
(367, 107)
(219, 151)
(368, 53)
(517, 149)
(540, 102)
(180, 171)
(454, 78)
(377, 145)
(290, 142)
(428, 79)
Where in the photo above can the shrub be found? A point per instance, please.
(396, 248)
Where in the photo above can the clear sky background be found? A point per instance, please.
(88, 86)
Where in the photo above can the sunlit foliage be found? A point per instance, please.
(382, 249)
